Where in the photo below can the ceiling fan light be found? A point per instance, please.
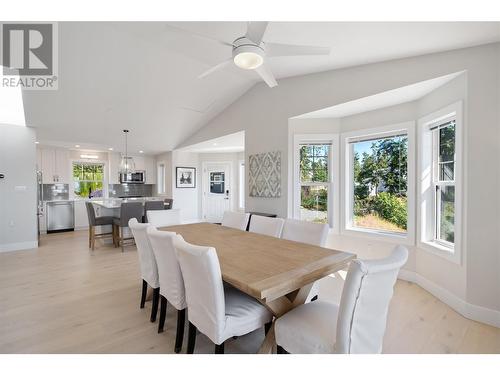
(248, 60)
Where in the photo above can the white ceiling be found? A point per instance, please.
(229, 143)
(385, 99)
(143, 75)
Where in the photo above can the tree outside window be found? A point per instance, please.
(380, 176)
(314, 182)
(88, 180)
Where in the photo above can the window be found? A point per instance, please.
(88, 179)
(440, 168)
(161, 179)
(314, 181)
(444, 182)
(380, 180)
(241, 195)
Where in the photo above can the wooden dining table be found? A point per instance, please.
(277, 272)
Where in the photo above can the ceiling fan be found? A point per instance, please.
(250, 52)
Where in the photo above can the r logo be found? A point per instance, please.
(27, 48)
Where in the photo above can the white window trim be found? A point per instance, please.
(161, 183)
(426, 214)
(333, 193)
(241, 185)
(347, 194)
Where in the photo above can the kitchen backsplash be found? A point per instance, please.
(54, 192)
(130, 190)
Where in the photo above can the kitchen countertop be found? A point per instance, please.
(116, 202)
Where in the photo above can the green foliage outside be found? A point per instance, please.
(88, 179)
(380, 180)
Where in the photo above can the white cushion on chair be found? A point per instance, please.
(169, 271)
(243, 313)
(269, 226)
(214, 314)
(362, 315)
(236, 220)
(147, 260)
(308, 328)
(164, 218)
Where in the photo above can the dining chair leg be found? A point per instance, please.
(267, 327)
(154, 309)
(121, 238)
(280, 350)
(90, 236)
(144, 292)
(93, 236)
(179, 336)
(163, 313)
(191, 338)
(219, 349)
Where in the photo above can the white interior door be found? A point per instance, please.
(216, 190)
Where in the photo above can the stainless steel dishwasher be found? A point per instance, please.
(60, 216)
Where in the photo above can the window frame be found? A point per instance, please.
(407, 128)
(241, 185)
(428, 231)
(161, 178)
(104, 177)
(332, 184)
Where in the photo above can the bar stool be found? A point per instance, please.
(98, 221)
(169, 203)
(128, 210)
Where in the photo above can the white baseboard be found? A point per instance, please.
(18, 246)
(470, 311)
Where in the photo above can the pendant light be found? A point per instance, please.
(127, 164)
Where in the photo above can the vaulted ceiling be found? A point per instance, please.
(143, 75)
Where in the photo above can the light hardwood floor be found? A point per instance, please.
(64, 298)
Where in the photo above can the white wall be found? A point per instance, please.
(18, 223)
(186, 199)
(263, 114)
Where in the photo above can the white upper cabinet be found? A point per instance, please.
(55, 165)
(114, 166)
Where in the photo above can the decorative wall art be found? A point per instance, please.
(265, 175)
(186, 177)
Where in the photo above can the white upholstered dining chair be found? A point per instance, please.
(357, 325)
(306, 232)
(269, 226)
(164, 218)
(217, 312)
(236, 220)
(147, 262)
(171, 281)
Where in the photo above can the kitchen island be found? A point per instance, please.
(112, 203)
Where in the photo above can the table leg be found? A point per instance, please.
(279, 307)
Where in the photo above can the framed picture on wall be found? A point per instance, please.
(185, 177)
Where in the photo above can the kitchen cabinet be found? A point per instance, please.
(114, 166)
(55, 165)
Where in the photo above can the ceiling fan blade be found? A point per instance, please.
(215, 68)
(197, 35)
(278, 49)
(256, 30)
(265, 73)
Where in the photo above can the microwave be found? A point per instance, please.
(137, 177)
